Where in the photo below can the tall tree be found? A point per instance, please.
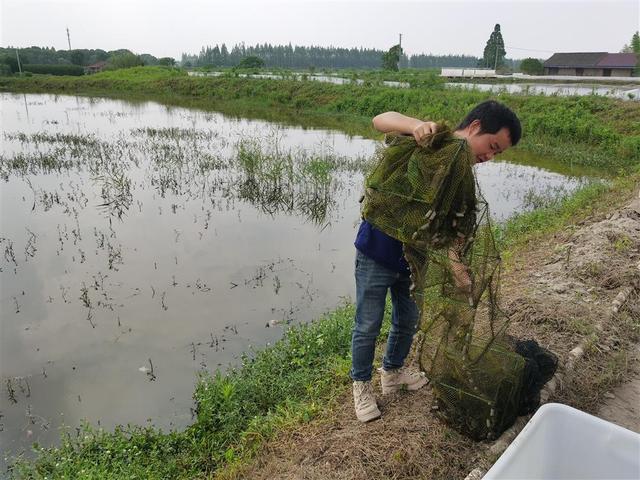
(391, 58)
(635, 43)
(494, 52)
(78, 57)
(633, 46)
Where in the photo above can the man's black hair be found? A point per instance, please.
(493, 116)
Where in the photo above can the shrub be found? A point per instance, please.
(125, 60)
(10, 61)
(251, 62)
(532, 66)
(74, 70)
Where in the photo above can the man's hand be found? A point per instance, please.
(461, 276)
(423, 130)
(396, 122)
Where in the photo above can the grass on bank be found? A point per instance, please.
(587, 130)
(592, 199)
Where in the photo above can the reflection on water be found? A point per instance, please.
(142, 243)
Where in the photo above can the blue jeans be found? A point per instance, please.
(372, 282)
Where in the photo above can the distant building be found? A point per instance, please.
(95, 68)
(467, 73)
(591, 64)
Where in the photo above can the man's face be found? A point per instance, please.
(485, 146)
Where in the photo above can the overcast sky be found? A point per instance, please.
(170, 27)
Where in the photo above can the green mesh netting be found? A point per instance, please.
(427, 197)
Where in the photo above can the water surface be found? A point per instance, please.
(141, 244)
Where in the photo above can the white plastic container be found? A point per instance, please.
(562, 443)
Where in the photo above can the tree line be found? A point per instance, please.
(273, 56)
(38, 57)
(288, 56)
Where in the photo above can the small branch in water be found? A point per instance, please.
(11, 391)
(150, 373)
(164, 306)
(214, 342)
(64, 294)
(26, 391)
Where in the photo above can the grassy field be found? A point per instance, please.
(289, 382)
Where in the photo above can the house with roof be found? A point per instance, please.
(95, 68)
(591, 64)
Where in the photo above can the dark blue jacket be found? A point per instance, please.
(381, 247)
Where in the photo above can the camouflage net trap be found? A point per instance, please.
(427, 197)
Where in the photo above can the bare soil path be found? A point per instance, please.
(623, 405)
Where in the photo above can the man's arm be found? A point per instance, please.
(396, 122)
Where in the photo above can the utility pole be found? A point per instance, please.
(68, 38)
(400, 53)
(19, 66)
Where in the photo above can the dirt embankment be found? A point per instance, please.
(581, 287)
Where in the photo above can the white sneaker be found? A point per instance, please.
(365, 401)
(403, 377)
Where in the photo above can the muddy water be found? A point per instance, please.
(141, 244)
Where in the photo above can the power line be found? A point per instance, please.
(529, 49)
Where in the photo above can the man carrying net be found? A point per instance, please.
(417, 207)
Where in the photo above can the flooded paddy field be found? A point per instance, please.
(141, 244)
(625, 92)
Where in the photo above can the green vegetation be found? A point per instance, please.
(391, 59)
(315, 57)
(251, 62)
(532, 66)
(166, 61)
(261, 172)
(72, 70)
(124, 60)
(594, 198)
(634, 45)
(8, 63)
(588, 131)
(494, 52)
(81, 57)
